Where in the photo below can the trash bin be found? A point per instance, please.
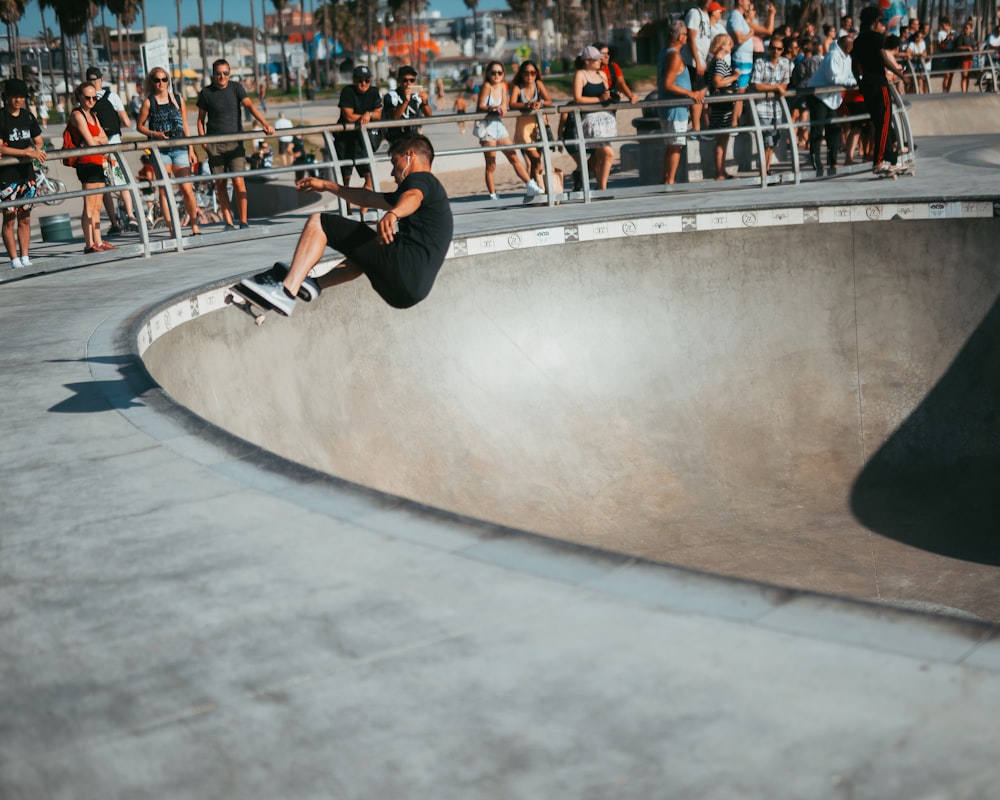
(56, 228)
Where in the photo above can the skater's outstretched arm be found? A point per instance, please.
(354, 196)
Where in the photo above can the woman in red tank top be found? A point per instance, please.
(87, 132)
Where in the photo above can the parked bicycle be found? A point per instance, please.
(48, 187)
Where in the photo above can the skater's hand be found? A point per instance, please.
(387, 227)
(310, 184)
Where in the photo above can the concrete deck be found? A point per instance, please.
(185, 615)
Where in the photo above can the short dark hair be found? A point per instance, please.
(418, 143)
(405, 71)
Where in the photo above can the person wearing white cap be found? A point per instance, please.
(590, 87)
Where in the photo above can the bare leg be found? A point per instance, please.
(516, 163)
(127, 203)
(223, 197)
(9, 216)
(491, 168)
(600, 164)
(671, 161)
(24, 231)
(721, 142)
(240, 198)
(309, 250)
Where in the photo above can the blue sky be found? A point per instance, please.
(164, 12)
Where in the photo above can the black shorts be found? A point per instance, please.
(361, 246)
(90, 173)
(350, 147)
(226, 157)
(698, 82)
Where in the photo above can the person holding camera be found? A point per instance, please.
(590, 87)
(406, 101)
(614, 75)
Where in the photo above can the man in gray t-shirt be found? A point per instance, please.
(219, 106)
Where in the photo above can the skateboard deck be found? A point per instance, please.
(248, 302)
(902, 168)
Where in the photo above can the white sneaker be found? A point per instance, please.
(532, 189)
(266, 287)
(494, 196)
(26, 262)
(308, 291)
(885, 168)
(16, 263)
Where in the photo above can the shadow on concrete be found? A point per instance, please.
(934, 482)
(102, 395)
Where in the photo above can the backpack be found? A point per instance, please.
(106, 114)
(68, 143)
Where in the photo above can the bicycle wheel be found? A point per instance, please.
(986, 83)
(51, 186)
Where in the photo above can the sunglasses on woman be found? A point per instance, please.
(158, 79)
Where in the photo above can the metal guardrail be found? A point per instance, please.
(920, 69)
(332, 166)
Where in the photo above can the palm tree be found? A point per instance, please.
(279, 6)
(73, 18)
(205, 74)
(11, 12)
(126, 12)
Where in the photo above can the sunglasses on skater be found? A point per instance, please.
(158, 79)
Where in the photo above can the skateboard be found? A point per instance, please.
(902, 168)
(256, 306)
(248, 302)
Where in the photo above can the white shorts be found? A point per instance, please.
(674, 126)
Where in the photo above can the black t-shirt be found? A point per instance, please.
(423, 237)
(19, 133)
(222, 107)
(867, 54)
(358, 102)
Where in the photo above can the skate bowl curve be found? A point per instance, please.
(812, 405)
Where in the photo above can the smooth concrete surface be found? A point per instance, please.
(183, 615)
(703, 399)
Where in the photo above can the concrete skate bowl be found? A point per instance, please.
(809, 406)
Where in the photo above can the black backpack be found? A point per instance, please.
(106, 115)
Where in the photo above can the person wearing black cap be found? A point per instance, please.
(360, 104)
(219, 107)
(21, 137)
(110, 112)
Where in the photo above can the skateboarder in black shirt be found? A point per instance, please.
(401, 256)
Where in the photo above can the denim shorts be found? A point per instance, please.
(177, 156)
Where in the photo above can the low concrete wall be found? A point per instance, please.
(954, 114)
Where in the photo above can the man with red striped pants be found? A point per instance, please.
(870, 59)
